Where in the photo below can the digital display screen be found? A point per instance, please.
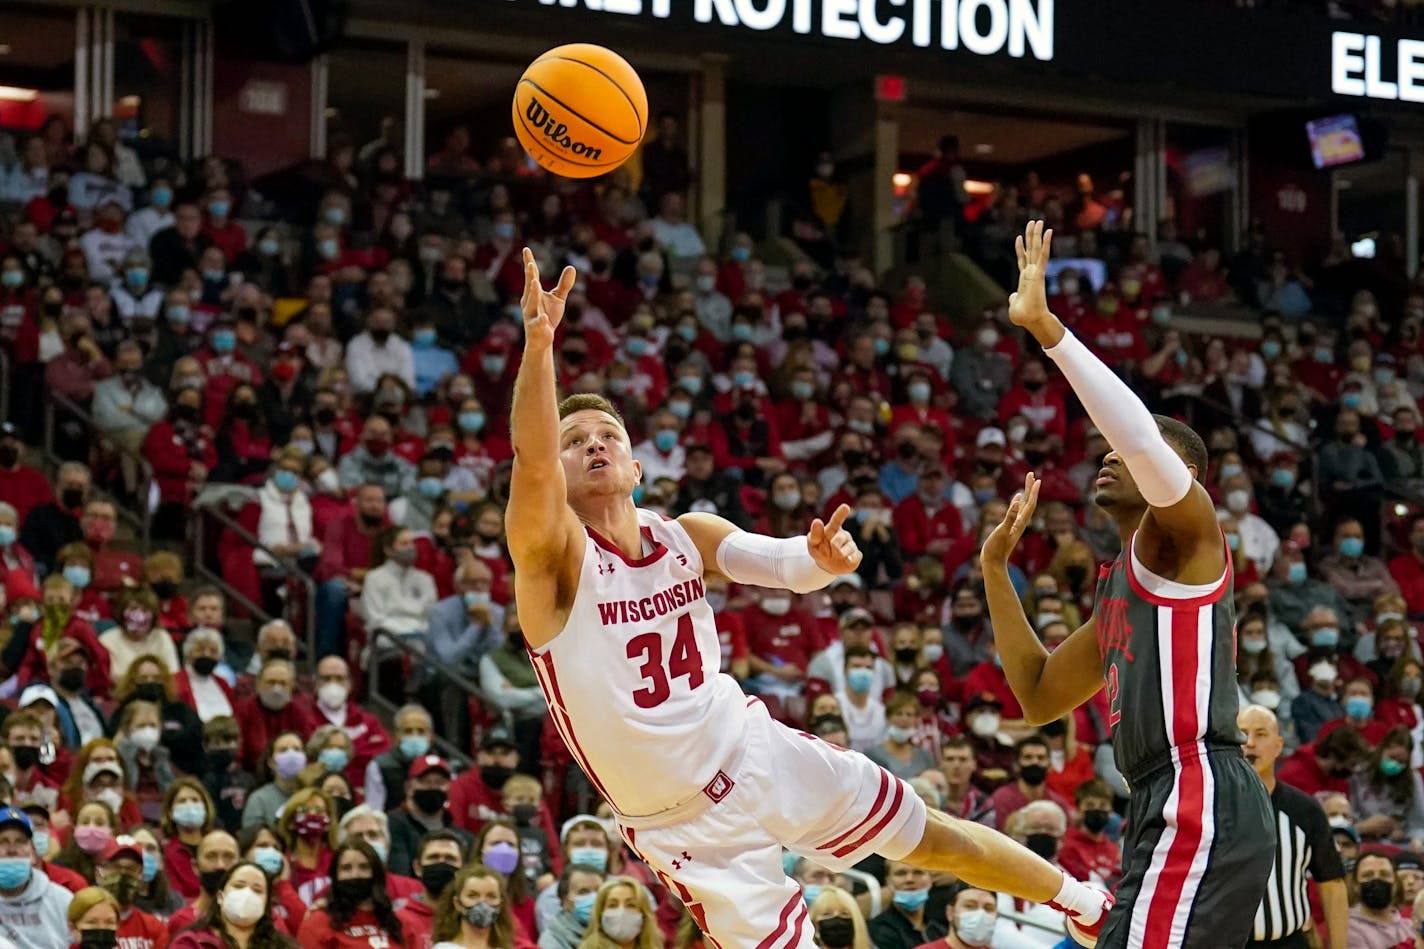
(1335, 141)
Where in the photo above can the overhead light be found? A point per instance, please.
(901, 179)
(4, 49)
(432, 93)
(16, 94)
(129, 102)
(978, 187)
(983, 148)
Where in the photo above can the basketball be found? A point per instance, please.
(580, 110)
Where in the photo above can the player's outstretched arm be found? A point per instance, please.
(799, 564)
(1181, 510)
(1047, 684)
(541, 526)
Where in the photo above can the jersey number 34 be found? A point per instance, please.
(685, 660)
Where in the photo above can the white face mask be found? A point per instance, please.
(1238, 501)
(242, 907)
(975, 927)
(333, 695)
(328, 481)
(622, 925)
(145, 738)
(776, 605)
(985, 725)
(1269, 698)
(933, 653)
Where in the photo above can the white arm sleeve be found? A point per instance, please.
(1161, 475)
(781, 563)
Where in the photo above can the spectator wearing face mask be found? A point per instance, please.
(271, 712)
(373, 460)
(981, 375)
(577, 891)
(180, 729)
(68, 666)
(334, 705)
(138, 633)
(29, 901)
(860, 703)
(46, 526)
(904, 924)
(1407, 568)
(780, 641)
(1087, 851)
(1387, 797)
(973, 917)
(898, 753)
(224, 369)
(1031, 764)
(1303, 603)
(345, 560)
(396, 595)
(1382, 648)
(1358, 577)
(958, 765)
(1375, 923)
(1400, 703)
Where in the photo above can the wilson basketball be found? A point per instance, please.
(580, 110)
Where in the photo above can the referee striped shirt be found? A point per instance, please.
(1305, 847)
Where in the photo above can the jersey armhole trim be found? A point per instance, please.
(1159, 591)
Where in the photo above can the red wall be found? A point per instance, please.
(261, 142)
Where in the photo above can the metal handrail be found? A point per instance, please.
(385, 638)
(143, 518)
(4, 384)
(288, 566)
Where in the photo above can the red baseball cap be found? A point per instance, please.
(426, 764)
(122, 846)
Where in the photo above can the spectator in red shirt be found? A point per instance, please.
(1408, 569)
(113, 568)
(1086, 848)
(1031, 763)
(1327, 765)
(861, 371)
(224, 368)
(1032, 398)
(119, 870)
(477, 796)
(926, 522)
(1358, 699)
(239, 913)
(749, 439)
(220, 228)
(358, 913)
(58, 623)
(48, 527)
(345, 559)
(1112, 332)
(270, 712)
(780, 642)
(334, 705)
(1204, 281)
(22, 486)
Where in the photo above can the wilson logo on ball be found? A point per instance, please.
(558, 132)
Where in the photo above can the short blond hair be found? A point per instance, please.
(588, 401)
(523, 783)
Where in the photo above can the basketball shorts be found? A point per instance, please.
(720, 853)
(1197, 855)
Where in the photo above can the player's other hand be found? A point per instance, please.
(1028, 307)
(543, 309)
(831, 545)
(1000, 544)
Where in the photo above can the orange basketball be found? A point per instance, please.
(580, 110)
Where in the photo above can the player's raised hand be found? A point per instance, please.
(543, 309)
(1000, 544)
(831, 545)
(1029, 305)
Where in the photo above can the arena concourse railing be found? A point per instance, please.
(419, 675)
(140, 520)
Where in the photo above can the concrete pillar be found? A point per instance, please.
(415, 109)
(711, 149)
(887, 162)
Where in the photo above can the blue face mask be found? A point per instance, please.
(802, 390)
(137, 276)
(431, 487)
(161, 196)
(1359, 708)
(493, 365)
(681, 410)
(224, 341)
(859, 680)
(743, 377)
(687, 332)
(218, 208)
(1182, 358)
(13, 279)
(1391, 768)
(1283, 478)
(1384, 376)
(334, 216)
(150, 866)
(810, 891)
(334, 759)
(741, 254)
(382, 851)
(666, 440)
(178, 314)
(474, 598)
(1351, 546)
(1230, 469)
(1233, 541)
(636, 346)
(911, 900)
(1295, 573)
(78, 575)
(269, 859)
(285, 480)
(1351, 400)
(269, 247)
(919, 392)
(1270, 349)
(7, 535)
(214, 276)
(1324, 355)
(593, 857)
(788, 862)
(503, 230)
(1325, 637)
(741, 332)
(424, 338)
(637, 493)
(14, 872)
(583, 907)
(413, 746)
(328, 248)
(882, 346)
(472, 421)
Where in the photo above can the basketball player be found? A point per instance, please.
(1162, 634)
(706, 787)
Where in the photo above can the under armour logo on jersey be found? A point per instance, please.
(604, 568)
(677, 864)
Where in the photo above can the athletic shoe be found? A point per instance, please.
(1087, 936)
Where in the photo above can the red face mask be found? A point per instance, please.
(99, 532)
(377, 446)
(284, 371)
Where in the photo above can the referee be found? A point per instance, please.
(1304, 846)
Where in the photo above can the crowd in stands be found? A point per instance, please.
(336, 362)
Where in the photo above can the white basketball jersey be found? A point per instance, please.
(633, 680)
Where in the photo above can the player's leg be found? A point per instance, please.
(726, 869)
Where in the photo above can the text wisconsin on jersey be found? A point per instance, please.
(661, 603)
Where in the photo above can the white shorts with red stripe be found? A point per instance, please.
(721, 852)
